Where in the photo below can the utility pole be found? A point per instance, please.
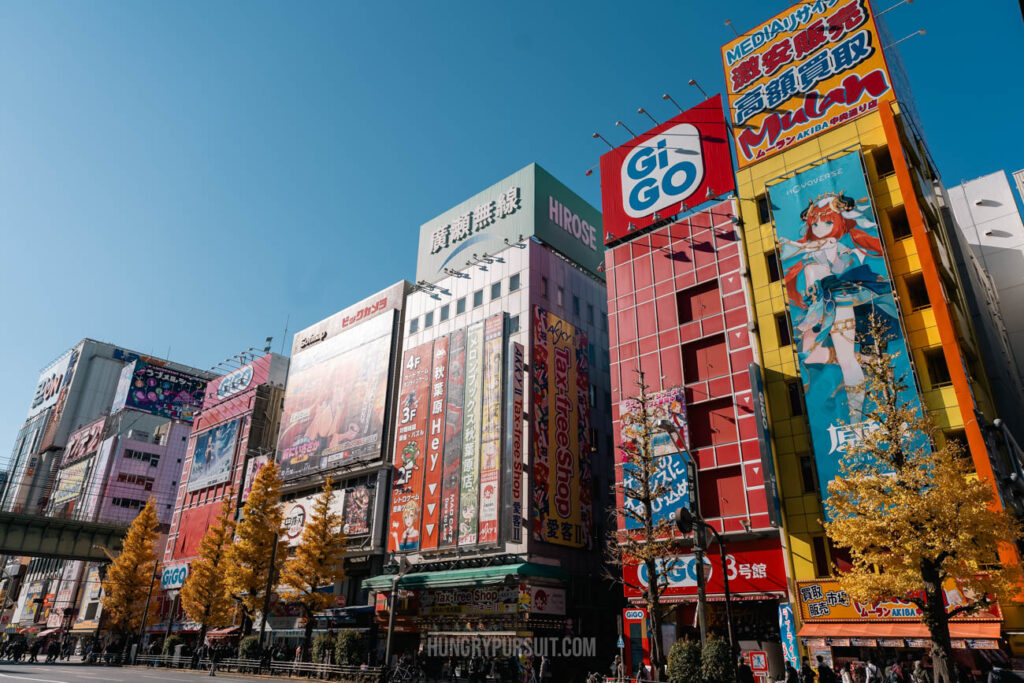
(266, 595)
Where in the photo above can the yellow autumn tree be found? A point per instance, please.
(130, 575)
(917, 521)
(316, 564)
(252, 561)
(205, 595)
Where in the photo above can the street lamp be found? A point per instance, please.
(403, 568)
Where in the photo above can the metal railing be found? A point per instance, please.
(290, 669)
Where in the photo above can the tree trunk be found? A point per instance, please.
(202, 636)
(654, 609)
(937, 622)
(307, 638)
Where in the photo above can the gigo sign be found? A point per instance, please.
(235, 382)
(656, 173)
(174, 577)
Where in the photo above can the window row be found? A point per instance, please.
(445, 312)
(129, 503)
(137, 479)
(152, 458)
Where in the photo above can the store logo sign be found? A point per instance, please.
(235, 382)
(174, 577)
(664, 170)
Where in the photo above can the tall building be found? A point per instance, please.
(842, 209)
(502, 456)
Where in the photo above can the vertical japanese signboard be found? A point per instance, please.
(435, 446)
(559, 476)
(764, 442)
(815, 66)
(451, 473)
(514, 442)
(472, 413)
(836, 278)
(410, 443)
(490, 432)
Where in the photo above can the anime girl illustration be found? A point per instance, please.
(410, 536)
(833, 288)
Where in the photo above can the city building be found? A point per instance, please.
(502, 459)
(841, 202)
(680, 313)
(233, 436)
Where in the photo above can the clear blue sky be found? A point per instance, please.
(185, 176)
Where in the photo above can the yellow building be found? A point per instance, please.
(793, 109)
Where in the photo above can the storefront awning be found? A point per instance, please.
(456, 578)
(230, 630)
(957, 629)
(48, 632)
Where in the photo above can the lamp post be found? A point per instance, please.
(403, 567)
(149, 596)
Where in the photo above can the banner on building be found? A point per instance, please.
(299, 511)
(435, 446)
(469, 485)
(159, 391)
(764, 442)
(670, 474)
(71, 482)
(358, 502)
(410, 444)
(252, 468)
(451, 474)
(825, 600)
(213, 456)
(805, 71)
(836, 277)
(83, 442)
(787, 631)
(561, 473)
(514, 441)
(490, 430)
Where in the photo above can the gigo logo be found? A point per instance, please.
(682, 573)
(174, 577)
(235, 382)
(635, 614)
(665, 169)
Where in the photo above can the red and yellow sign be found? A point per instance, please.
(826, 601)
(813, 67)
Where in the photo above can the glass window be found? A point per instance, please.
(763, 209)
(772, 259)
(478, 298)
(883, 161)
(796, 399)
(575, 305)
(460, 306)
(513, 283)
(590, 313)
(414, 326)
(938, 371)
(807, 475)
(513, 324)
(428, 320)
(445, 310)
(495, 291)
(544, 287)
(918, 293)
(898, 223)
(820, 556)
(560, 298)
(782, 327)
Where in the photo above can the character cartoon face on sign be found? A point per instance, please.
(410, 536)
(540, 600)
(405, 470)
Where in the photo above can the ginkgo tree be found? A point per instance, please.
(130, 575)
(205, 595)
(919, 524)
(317, 563)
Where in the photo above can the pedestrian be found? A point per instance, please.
(545, 670)
(744, 674)
(825, 672)
(33, 652)
(617, 669)
(806, 672)
(895, 673)
(846, 674)
(792, 675)
(920, 674)
(871, 673)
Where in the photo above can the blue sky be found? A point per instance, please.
(187, 176)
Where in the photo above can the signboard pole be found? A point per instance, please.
(149, 596)
(698, 554)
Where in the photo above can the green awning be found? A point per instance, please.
(455, 578)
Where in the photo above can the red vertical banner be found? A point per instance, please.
(435, 446)
(517, 361)
(410, 443)
(451, 467)
(469, 489)
(490, 431)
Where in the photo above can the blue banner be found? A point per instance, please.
(835, 275)
(787, 630)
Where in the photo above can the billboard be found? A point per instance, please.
(451, 473)
(160, 391)
(530, 202)
(836, 277)
(824, 600)
(668, 169)
(358, 503)
(336, 398)
(55, 377)
(299, 511)
(490, 428)
(260, 371)
(410, 443)
(435, 446)
(253, 468)
(764, 443)
(83, 442)
(514, 441)
(813, 67)
(671, 462)
(559, 420)
(469, 500)
(72, 481)
(213, 456)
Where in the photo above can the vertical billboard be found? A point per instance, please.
(559, 476)
(358, 501)
(336, 400)
(836, 278)
(803, 72)
(764, 442)
(435, 446)
(656, 174)
(213, 456)
(451, 473)
(514, 441)
(159, 391)
(83, 442)
(670, 478)
(490, 428)
(410, 443)
(469, 498)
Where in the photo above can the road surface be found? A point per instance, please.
(79, 673)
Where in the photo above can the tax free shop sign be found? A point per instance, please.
(529, 203)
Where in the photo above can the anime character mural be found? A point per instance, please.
(836, 280)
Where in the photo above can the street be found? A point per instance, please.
(79, 673)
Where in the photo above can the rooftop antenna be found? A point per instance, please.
(285, 335)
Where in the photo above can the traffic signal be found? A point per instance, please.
(684, 520)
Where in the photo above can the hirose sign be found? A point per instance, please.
(666, 170)
(815, 66)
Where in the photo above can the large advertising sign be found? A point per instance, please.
(260, 371)
(358, 502)
(336, 398)
(299, 511)
(560, 418)
(517, 363)
(451, 474)
(72, 481)
(836, 277)
(83, 442)
(410, 444)
(490, 429)
(469, 499)
(435, 446)
(764, 442)
(213, 456)
(55, 377)
(752, 566)
(813, 67)
(670, 476)
(666, 170)
(159, 391)
(824, 600)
